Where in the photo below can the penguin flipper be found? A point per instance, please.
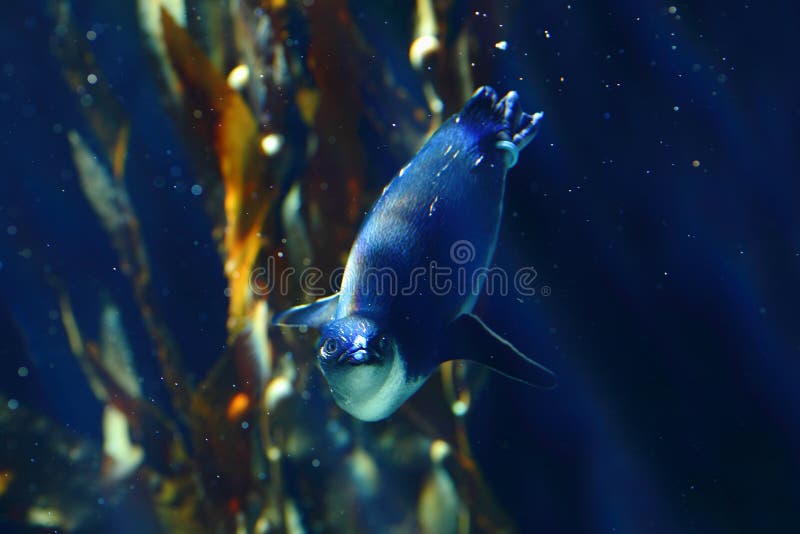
(469, 338)
(314, 315)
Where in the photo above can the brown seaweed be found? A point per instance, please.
(275, 125)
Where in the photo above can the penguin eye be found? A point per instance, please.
(329, 347)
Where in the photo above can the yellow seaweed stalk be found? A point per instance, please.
(234, 136)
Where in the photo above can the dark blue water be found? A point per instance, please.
(659, 204)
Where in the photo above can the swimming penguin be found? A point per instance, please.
(418, 264)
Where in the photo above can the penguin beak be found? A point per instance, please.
(358, 351)
(358, 354)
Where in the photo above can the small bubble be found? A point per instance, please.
(672, 10)
(245, 425)
(13, 404)
(272, 143)
(315, 462)
(238, 77)
(459, 408)
(696, 163)
(274, 453)
(22, 372)
(92, 79)
(12, 230)
(197, 190)
(227, 292)
(91, 35)
(676, 108)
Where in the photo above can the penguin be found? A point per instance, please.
(418, 264)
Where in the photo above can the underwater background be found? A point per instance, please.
(658, 205)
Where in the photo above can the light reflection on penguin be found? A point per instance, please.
(395, 320)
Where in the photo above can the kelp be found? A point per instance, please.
(63, 489)
(101, 108)
(282, 106)
(109, 199)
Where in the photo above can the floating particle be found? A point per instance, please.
(274, 454)
(91, 35)
(12, 230)
(92, 79)
(245, 425)
(672, 10)
(547, 34)
(13, 404)
(239, 76)
(439, 450)
(315, 462)
(501, 45)
(676, 108)
(197, 190)
(459, 408)
(696, 163)
(22, 372)
(271, 143)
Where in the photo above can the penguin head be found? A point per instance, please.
(363, 366)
